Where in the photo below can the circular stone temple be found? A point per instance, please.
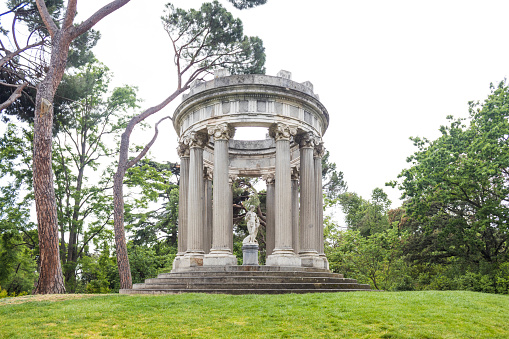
(289, 160)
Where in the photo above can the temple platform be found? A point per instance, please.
(247, 280)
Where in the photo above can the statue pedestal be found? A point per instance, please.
(250, 254)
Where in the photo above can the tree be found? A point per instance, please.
(51, 277)
(367, 217)
(95, 121)
(375, 259)
(334, 183)
(24, 63)
(18, 234)
(457, 186)
(202, 41)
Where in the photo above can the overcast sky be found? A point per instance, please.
(385, 70)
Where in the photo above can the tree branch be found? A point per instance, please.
(70, 13)
(14, 96)
(147, 147)
(46, 17)
(97, 16)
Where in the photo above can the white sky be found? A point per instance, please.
(385, 70)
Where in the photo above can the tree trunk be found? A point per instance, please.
(124, 269)
(51, 279)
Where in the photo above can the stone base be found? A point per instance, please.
(311, 261)
(191, 260)
(177, 261)
(283, 258)
(250, 254)
(325, 261)
(219, 258)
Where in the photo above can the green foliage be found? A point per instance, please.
(211, 38)
(5, 294)
(375, 259)
(334, 183)
(98, 273)
(18, 235)
(18, 71)
(367, 217)
(243, 4)
(457, 185)
(157, 182)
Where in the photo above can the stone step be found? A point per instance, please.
(238, 291)
(192, 286)
(248, 279)
(249, 268)
(251, 274)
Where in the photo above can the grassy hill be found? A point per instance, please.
(428, 314)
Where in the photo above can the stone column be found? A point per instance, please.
(318, 153)
(183, 152)
(270, 225)
(221, 252)
(231, 179)
(308, 244)
(295, 210)
(283, 254)
(194, 253)
(207, 208)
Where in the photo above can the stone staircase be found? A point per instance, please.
(247, 280)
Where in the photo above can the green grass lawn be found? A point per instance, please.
(428, 314)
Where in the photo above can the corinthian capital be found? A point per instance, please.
(319, 149)
(221, 131)
(197, 139)
(183, 147)
(269, 178)
(295, 173)
(282, 131)
(306, 139)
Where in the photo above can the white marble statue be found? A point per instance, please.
(253, 223)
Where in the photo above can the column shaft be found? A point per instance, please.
(283, 203)
(319, 205)
(221, 251)
(283, 254)
(307, 202)
(270, 226)
(183, 193)
(207, 234)
(230, 213)
(295, 211)
(222, 203)
(195, 202)
(318, 154)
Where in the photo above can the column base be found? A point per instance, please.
(283, 258)
(325, 261)
(311, 259)
(191, 259)
(219, 258)
(177, 260)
